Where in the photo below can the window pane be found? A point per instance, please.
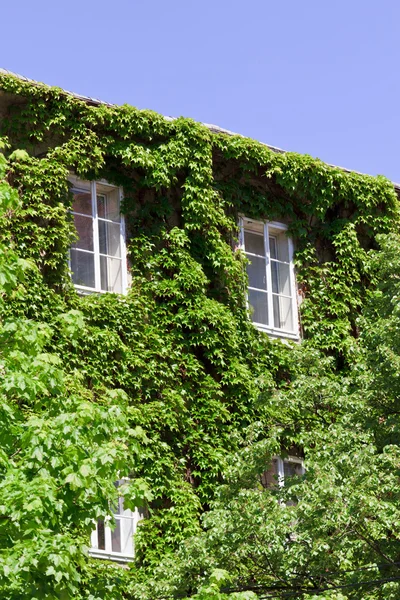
(270, 477)
(290, 469)
(279, 246)
(108, 203)
(116, 537)
(82, 267)
(283, 317)
(256, 272)
(111, 274)
(122, 536)
(115, 507)
(101, 205)
(118, 508)
(84, 228)
(127, 531)
(258, 301)
(280, 274)
(110, 238)
(272, 247)
(254, 243)
(82, 202)
(101, 535)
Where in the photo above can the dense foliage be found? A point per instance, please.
(333, 533)
(172, 379)
(62, 444)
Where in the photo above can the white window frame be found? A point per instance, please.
(281, 467)
(75, 181)
(129, 517)
(270, 329)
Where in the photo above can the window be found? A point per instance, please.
(98, 257)
(279, 472)
(271, 291)
(116, 544)
(281, 469)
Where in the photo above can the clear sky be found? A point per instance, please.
(313, 76)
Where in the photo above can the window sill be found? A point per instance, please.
(86, 291)
(277, 333)
(114, 556)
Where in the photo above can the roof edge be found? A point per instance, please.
(210, 127)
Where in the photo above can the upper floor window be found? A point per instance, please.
(98, 257)
(271, 291)
(280, 471)
(116, 543)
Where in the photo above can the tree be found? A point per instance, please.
(62, 446)
(333, 533)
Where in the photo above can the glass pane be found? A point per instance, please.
(82, 202)
(127, 531)
(280, 274)
(115, 508)
(82, 267)
(108, 203)
(116, 537)
(101, 535)
(258, 301)
(84, 228)
(256, 272)
(254, 243)
(111, 274)
(109, 238)
(279, 246)
(101, 206)
(270, 477)
(290, 469)
(283, 317)
(272, 247)
(118, 509)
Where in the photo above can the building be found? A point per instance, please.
(119, 199)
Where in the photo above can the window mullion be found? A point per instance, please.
(107, 536)
(124, 267)
(96, 243)
(281, 472)
(269, 277)
(243, 247)
(136, 519)
(94, 538)
(241, 234)
(293, 288)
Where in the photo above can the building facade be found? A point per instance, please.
(193, 253)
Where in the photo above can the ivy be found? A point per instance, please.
(180, 345)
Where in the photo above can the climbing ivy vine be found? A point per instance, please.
(180, 344)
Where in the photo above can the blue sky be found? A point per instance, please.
(314, 76)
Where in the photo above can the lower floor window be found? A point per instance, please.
(116, 543)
